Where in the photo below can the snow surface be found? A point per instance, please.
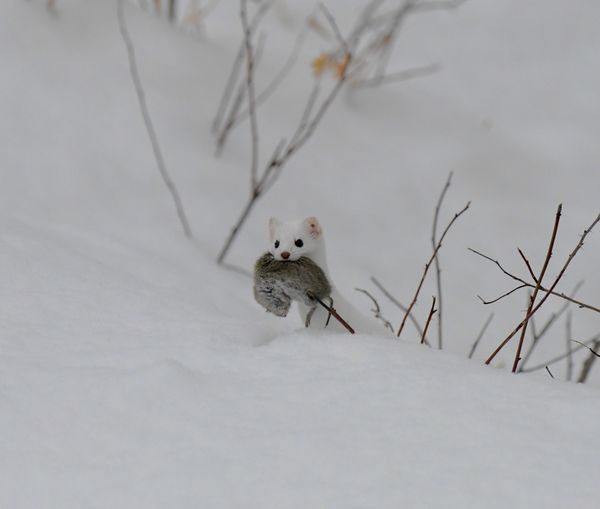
(135, 373)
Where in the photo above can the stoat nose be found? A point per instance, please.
(285, 255)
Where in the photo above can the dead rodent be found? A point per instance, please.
(277, 283)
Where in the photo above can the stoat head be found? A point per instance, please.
(290, 240)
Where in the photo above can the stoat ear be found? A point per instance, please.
(312, 226)
(274, 223)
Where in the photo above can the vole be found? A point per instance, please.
(293, 240)
(277, 283)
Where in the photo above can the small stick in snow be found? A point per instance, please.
(438, 271)
(549, 372)
(432, 311)
(428, 264)
(480, 335)
(332, 311)
(589, 362)
(139, 89)
(549, 292)
(377, 310)
(537, 287)
(399, 304)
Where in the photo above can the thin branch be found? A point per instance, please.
(281, 156)
(332, 311)
(334, 28)
(561, 357)
(548, 292)
(405, 75)
(589, 362)
(139, 89)
(399, 304)
(568, 335)
(235, 69)
(549, 372)
(590, 349)
(432, 311)
(531, 273)
(537, 287)
(525, 284)
(427, 265)
(377, 310)
(438, 271)
(250, 91)
(506, 294)
(537, 335)
(480, 336)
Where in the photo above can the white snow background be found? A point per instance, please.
(135, 373)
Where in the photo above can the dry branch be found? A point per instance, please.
(539, 280)
(432, 311)
(333, 312)
(438, 271)
(538, 335)
(480, 335)
(589, 362)
(399, 304)
(549, 292)
(561, 357)
(549, 372)
(284, 150)
(377, 310)
(427, 265)
(139, 89)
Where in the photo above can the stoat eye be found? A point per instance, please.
(299, 243)
(276, 244)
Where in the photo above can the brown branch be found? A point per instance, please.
(377, 310)
(559, 358)
(438, 271)
(427, 265)
(506, 294)
(282, 154)
(399, 304)
(548, 292)
(526, 284)
(332, 311)
(432, 311)
(139, 89)
(537, 335)
(537, 287)
(480, 335)
(531, 273)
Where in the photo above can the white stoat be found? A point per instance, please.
(292, 239)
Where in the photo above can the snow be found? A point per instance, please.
(136, 373)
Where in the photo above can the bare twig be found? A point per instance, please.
(139, 89)
(589, 361)
(561, 357)
(549, 372)
(438, 271)
(282, 154)
(427, 265)
(398, 304)
(480, 336)
(548, 292)
(377, 310)
(250, 91)
(332, 311)
(568, 335)
(537, 287)
(537, 335)
(591, 349)
(432, 311)
(531, 273)
(235, 69)
(405, 75)
(526, 284)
